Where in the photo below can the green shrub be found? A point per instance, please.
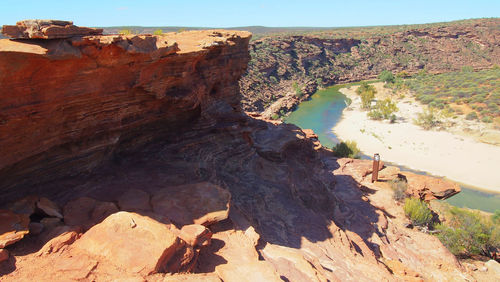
(275, 116)
(428, 119)
(125, 32)
(297, 89)
(399, 187)
(487, 119)
(471, 116)
(496, 217)
(363, 87)
(469, 233)
(375, 114)
(347, 149)
(418, 212)
(467, 69)
(386, 76)
(158, 32)
(403, 74)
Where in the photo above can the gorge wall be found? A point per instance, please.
(67, 105)
(312, 61)
(143, 166)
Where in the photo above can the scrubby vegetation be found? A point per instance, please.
(418, 212)
(399, 187)
(384, 109)
(125, 32)
(347, 149)
(367, 93)
(322, 58)
(428, 119)
(386, 76)
(478, 93)
(467, 232)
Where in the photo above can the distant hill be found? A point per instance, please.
(359, 32)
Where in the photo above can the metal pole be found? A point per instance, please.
(376, 162)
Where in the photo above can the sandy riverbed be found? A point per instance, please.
(456, 157)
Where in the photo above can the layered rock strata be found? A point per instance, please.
(312, 61)
(67, 105)
(265, 200)
(47, 29)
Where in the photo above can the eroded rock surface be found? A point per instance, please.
(13, 227)
(201, 203)
(130, 241)
(158, 133)
(89, 98)
(47, 29)
(429, 188)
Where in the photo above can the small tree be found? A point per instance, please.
(367, 93)
(158, 32)
(386, 76)
(471, 116)
(364, 86)
(297, 89)
(428, 119)
(125, 32)
(384, 109)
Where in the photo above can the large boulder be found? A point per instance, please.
(47, 29)
(13, 227)
(429, 188)
(196, 235)
(87, 212)
(134, 243)
(358, 168)
(134, 200)
(4, 255)
(200, 203)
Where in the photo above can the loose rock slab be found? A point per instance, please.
(47, 29)
(4, 255)
(429, 188)
(13, 227)
(86, 212)
(132, 242)
(201, 203)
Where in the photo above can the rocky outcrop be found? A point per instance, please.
(178, 178)
(47, 29)
(13, 227)
(429, 188)
(68, 105)
(311, 61)
(200, 203)
(133, 242)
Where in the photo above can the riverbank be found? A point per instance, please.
(456, 157)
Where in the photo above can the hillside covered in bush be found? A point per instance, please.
(310, 60)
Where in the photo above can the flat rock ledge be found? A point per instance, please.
(47, 29)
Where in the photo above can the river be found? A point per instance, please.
(322, 112)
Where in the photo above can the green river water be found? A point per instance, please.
(324, 110)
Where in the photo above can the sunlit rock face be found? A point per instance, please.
(67, 105)
(140, 145)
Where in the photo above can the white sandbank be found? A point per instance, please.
(440, 153)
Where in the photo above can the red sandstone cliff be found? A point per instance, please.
(144, 166)
(66, 105)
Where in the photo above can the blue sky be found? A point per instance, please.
(318, 13)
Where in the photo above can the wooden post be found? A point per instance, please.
(376, 162)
